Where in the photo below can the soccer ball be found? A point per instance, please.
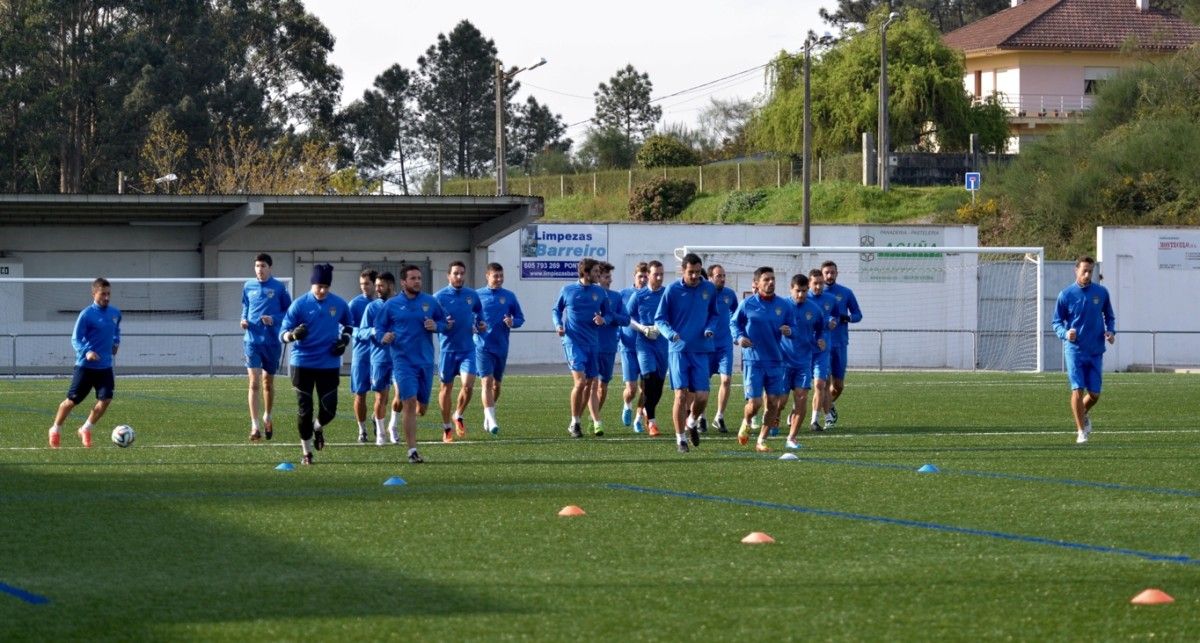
(123, 436)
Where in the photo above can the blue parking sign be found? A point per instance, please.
(973, 180)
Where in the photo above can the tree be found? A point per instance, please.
(381, 127)
(535, 130)
(927, 105)
(237, 163)
(605, 149)
(665, 151)
(947, 15)
(456, 96)
(162, 150)
(81, 81)
(623, 104)
(724, 123)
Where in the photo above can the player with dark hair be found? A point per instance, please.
(808, 337)
(1084, 320)
(96, 339)
(360, 356)
(847, 313)
(407, 324)
(264, 302)
(381, 360)
(821, 358)
(759, 325)
(501, 314)
(652, 351)
(581, 309)
(686, 317)
(608, 343)
(318, 326)
(630, 372)
(722, 355)
(457, 356)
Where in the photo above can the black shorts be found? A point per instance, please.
(86, 379)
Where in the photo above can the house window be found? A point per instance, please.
(978, 83)
(1095, 77)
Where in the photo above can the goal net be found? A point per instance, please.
(964, 308)
(169, 325)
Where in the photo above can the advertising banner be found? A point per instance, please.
(902, 255)
(553, 251)
(1179, 251)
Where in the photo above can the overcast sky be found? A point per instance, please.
(680, 44)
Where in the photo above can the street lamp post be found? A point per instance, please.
(883, 146)
(503, 77)
(807, 166)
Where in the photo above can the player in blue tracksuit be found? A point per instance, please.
(265, 300)
(687, 317)
(630, 372)
(406, 325)
(821, 360)
(461, 305)
(760, 323)
(96, 339)
(380, 359)
(318, 326)
(652, 352)
(581, 309)
(1084, 320)
(501, 313)
(360, 354)
(848, 313)
(722, 355)
(808, 337)
(608, 342)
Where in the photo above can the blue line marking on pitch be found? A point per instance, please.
(1111, 486)
(919, 524)
(28, 597)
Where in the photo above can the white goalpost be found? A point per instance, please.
(960, 308)
(170, 325)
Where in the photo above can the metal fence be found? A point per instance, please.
(211, 354)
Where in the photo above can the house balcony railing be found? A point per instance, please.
(1034, 106)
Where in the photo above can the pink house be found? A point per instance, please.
(1045, 59)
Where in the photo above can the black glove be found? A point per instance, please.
(299, 333)
(340, 345)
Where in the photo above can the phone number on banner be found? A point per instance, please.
(549, 269)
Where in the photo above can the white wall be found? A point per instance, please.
(1152, 295)
(630, 243)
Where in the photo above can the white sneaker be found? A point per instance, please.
(379, 439)
(830, 420)
(394, 435)
(791, 444)
(1081, 436)
(1087, 425)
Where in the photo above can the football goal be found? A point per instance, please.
(965, 308)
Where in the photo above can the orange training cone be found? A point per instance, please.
(757, 538)
(1152, 597)
(571, 510)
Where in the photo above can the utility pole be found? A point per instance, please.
(501, 79)
(884, 144)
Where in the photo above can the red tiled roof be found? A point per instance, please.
(1075, 24)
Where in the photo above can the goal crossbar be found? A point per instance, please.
(1032, 253)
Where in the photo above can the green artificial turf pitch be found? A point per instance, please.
(193, 534)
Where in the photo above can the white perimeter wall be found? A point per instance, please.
(1153, 277)
(628, 244)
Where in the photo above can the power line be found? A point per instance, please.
(734, 80)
